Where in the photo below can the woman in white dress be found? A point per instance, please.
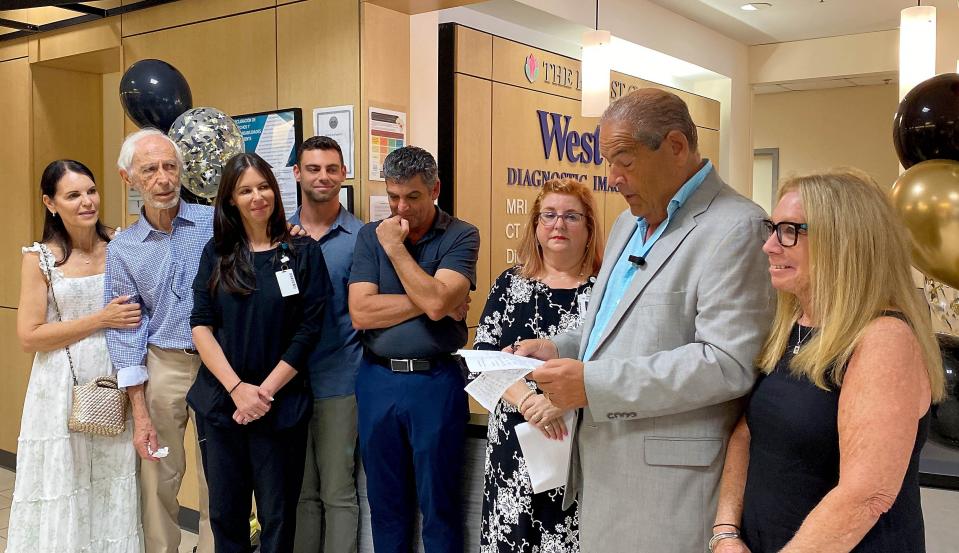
(74, 492)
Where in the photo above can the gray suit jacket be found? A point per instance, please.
(666, 382)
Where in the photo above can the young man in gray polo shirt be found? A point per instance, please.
(327, 514)
(411, 276)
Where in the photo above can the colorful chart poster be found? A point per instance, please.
(387, 133)
(275, 136)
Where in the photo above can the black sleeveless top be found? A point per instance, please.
(794, 463)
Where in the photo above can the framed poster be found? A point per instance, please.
(337, 123)
(275, 136)
(387, 133)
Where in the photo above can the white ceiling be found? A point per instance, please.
(789, 20)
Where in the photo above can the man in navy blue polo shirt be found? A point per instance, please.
(409, 288)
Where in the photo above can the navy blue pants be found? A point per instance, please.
(411, 432)
(241, 464)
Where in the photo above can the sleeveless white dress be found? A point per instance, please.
(74, 492)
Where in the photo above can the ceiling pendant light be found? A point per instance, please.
(917, 46)
(595, 68)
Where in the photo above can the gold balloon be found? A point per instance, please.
(927, 198)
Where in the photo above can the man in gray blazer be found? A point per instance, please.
(681, 307)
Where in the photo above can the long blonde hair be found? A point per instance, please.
(530, 253)
(859, 265)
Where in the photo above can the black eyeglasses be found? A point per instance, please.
(549, 218)
(787, 232)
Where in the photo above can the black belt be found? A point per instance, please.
(412, 365)
(180, 350)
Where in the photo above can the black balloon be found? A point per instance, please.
(927, 122)
(154, 94)
(945, 416)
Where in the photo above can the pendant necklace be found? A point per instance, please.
(800, 339)
(83, 257)
(536, 319)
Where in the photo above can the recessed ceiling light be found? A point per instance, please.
(755, 6)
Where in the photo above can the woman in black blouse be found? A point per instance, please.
(258, 304)
(561, 251)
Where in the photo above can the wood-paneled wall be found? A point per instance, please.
(60, 99)
(495, 131)
(21, 197)
(384, 81)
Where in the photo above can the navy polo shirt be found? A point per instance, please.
(449, 244)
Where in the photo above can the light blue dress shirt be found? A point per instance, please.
(335, 360)
(156, 269)
(624, 270)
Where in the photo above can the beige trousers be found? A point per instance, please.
(172, 372)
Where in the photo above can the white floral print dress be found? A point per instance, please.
(74, 493)
(515, 520)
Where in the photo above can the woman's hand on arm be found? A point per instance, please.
(120, 314)
(37, 334)
(884, 392)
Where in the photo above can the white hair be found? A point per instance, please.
(125, 159)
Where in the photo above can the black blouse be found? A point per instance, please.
(794, 463)
(258, 330)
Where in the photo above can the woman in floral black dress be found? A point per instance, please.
(561, 251)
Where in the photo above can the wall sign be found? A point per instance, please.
(275, 136)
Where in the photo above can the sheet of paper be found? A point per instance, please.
(478, 361)
(277, 139)
(547, 461)
(287, 182)
(379, 208)
(488, 387)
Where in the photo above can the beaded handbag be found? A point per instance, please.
(99, 406)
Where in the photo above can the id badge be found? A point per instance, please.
(287, 282)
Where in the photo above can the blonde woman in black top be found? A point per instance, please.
(826, 457)
(259, 297)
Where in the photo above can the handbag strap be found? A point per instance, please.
(47, 263)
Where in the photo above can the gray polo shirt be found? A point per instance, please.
(449, 244)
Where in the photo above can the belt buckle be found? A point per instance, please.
(401, 365)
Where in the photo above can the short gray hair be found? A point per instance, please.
(125, 159)
(653, 113)
(405, 163)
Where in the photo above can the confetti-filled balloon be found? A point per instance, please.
(207, 138)
(944, 302)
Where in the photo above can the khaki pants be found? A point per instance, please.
(172, 372)
(327, 515)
